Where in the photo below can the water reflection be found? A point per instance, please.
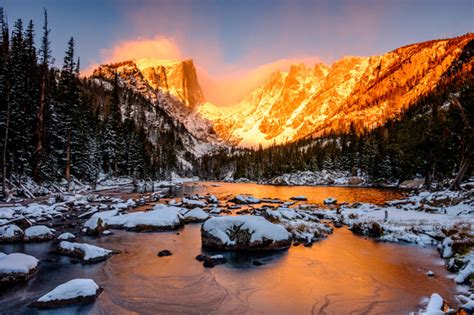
(315, 194)
(340, 275)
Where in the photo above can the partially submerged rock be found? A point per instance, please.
(77, 291)
(17, 267)
(245, 200)
(38, 233)
(299, 198)
(161, 218)
(10, 233)
(195, 215)
(66, 236)
(329, 201)
(244, 233)
(164, 253)
(84, 252)
(95, 225)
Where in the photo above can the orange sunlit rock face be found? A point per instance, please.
(354, 92)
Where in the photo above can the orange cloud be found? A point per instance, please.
(233, 84)
(158, 47)
(224, 87)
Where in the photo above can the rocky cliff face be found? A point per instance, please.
(169, 84)
(354, 92)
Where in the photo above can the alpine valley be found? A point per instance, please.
(355, 96)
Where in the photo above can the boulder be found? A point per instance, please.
(17, 267)
(164, 253)
(76, 291)
(84, 252)
(244, 233)
(412, 183)
(195, 215)
(10, 233)
(38, 233)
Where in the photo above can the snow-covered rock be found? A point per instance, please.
(243, 232)
(196, 215)
(85, 252)
(17, 267)
(76, 291)
(329, 201)
(66, 236)
(302, 225)
(38, 233)
(435, 305)
(10, 233)
(243, 199)
(161, 218)
(96, 223)
(193, 203)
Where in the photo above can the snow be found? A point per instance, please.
(9, 231)
(258, 227)
(17, 263)
(324, 177)
(196, 214)
(72, 289)
(329, 201)
(434, 305)
(467, 270)
(160, 216)
(245, 199)
(90, 251)
(37, 231)
(192, 202)
(93, 221)
(66, 236)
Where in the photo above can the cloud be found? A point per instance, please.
(159, 47)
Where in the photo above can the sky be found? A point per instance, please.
(236, 45)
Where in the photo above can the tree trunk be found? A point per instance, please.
(40, 129)
(67, 172)
(466, 153)
(456, 184)
(5, 150)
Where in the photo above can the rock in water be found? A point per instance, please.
(299, 198)
(38, 233)
(244, 233)
(17, 267)
(10, 233)
(84, 252)
(164, 253)
(329, 201)
(77, 291)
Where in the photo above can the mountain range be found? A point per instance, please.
(358, 93)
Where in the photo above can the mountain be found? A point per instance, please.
(171, 85)
(361, 93)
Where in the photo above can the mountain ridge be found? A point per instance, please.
(357, 93)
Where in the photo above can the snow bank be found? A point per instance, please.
(243, 232)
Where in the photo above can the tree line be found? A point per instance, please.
(56, 125)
